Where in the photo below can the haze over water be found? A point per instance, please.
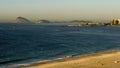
(93, 10)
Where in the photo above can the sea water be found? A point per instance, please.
(24, 44)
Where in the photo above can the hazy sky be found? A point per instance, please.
(96, 10)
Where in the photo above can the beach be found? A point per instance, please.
(102, 60)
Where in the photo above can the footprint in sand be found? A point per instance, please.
(116, 61)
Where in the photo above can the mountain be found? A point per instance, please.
(22, 20)
(43, 21)
(80, 21)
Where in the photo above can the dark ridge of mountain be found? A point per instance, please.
(43, 21)
(22, 20)
(80, 21)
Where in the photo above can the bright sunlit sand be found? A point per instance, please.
(106, 60)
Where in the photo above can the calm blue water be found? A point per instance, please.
(21, 43)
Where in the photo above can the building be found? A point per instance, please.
(115, 22)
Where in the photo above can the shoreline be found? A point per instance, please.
(81, 61)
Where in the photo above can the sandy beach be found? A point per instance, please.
(104, 60)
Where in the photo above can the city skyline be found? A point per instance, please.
(65, 10)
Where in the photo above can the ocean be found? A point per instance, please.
(27, 44)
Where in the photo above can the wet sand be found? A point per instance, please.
(103, 60)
